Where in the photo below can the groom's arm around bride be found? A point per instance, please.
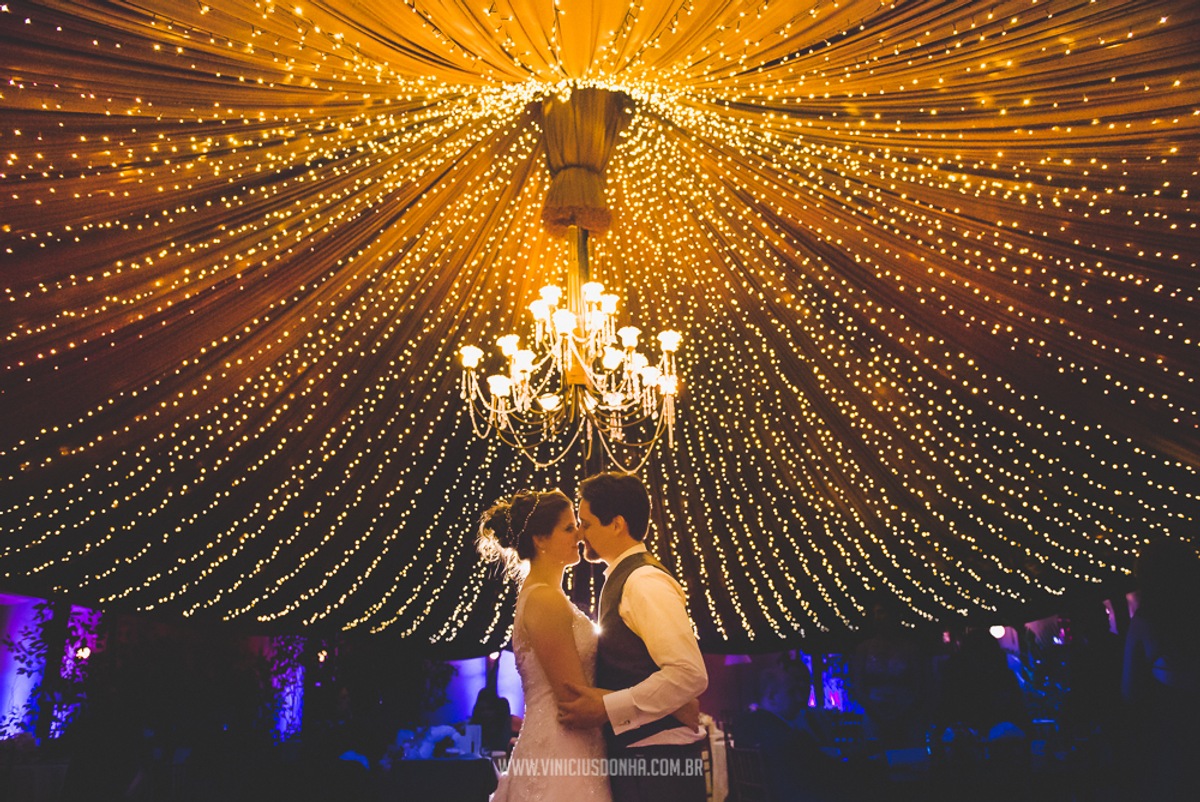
(649, 670)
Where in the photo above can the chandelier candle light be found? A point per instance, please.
(578, 368)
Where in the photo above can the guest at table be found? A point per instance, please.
(784, 691)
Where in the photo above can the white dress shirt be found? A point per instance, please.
(654, 608)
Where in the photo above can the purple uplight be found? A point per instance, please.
(17, 613)
(288, 682)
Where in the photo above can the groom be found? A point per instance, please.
(647, 653)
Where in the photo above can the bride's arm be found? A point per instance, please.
(548, 622)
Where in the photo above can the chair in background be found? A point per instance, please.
(709, 787)
(716, 772)
(747, 775)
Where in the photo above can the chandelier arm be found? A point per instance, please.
(645, 457)
(532, 418)
(511, 443)
(631, 404)
(523, 449)
(487, 428)
(640, 418)
(526, 451)
(543, 382)
(644, 443)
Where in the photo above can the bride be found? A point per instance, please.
(536, 534)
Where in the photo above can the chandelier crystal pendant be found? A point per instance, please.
(576, 373)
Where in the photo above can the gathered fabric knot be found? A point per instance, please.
(580, 132)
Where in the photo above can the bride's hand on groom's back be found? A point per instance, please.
(689, 714)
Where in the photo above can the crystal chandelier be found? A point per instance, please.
(576, 374)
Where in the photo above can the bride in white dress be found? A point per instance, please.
(554, 644)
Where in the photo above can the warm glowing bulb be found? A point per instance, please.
(550, 294)
(612, 358)
(564, 321)
(608, 303)
(540, 310)
(509, 344)
(500, 386)
(549, 402)
(997, 631)
(522, 361)
(629, 336)
(669, 340)
(470, 356)
(592, 291)
(595, 320)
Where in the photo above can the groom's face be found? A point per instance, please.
(595, 535)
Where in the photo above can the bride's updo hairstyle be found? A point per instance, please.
(507, 528)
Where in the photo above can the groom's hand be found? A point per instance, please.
(586, 711)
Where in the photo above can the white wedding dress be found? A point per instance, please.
(551, 763)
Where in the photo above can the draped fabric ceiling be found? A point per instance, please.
(934, 264)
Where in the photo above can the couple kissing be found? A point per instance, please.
(611, 709)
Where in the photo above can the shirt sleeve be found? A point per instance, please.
(654, 607)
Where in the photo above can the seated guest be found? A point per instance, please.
(494, 717)
(784, 691)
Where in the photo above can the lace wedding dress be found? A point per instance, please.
(550, 762)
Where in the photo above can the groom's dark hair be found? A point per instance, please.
(611, 494)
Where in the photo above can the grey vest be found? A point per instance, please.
(622, 659)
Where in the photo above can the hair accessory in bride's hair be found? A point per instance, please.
(537, 499)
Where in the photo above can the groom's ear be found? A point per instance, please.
(621, 524)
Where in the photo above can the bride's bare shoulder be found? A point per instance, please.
(547, 604)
